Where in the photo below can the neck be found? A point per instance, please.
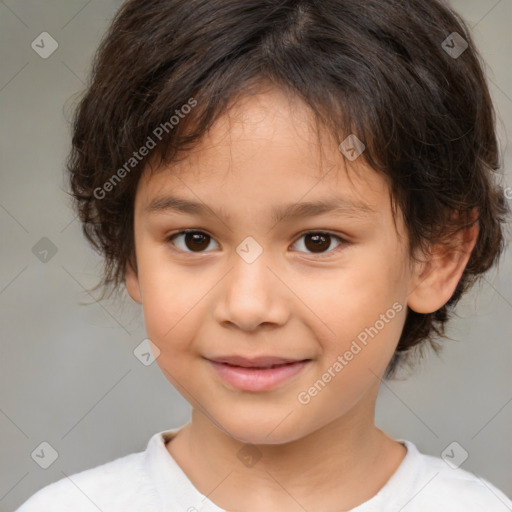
(282, 476)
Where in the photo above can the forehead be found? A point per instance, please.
(267, 147)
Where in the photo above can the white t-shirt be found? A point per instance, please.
(152, 481)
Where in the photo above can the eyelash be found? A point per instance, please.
(342, 241)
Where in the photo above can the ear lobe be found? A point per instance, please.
(131, 280)
(437, 278)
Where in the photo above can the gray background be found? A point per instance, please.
(68, 375)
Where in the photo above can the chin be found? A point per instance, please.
(259, 429)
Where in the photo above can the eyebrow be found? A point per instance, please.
(336, 205)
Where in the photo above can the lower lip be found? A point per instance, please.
(257, 379)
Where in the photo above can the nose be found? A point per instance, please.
(252, 295)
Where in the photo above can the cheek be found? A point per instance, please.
(359, 310)
(171, 302)
(352, 363)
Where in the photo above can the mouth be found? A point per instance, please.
(263, 362)
(258, 374)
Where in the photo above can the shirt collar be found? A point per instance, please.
(176, 491)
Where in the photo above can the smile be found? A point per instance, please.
(257, 378)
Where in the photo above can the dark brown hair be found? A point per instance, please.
(379, 69)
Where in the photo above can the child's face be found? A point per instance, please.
(302, 298)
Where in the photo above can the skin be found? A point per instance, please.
(289, 302)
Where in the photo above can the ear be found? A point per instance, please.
(436, 279)
(131, 281)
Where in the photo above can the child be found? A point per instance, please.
(333, 163)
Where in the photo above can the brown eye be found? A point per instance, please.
(191, 241)
(318, 242)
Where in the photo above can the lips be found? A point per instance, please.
(261, 374)
(263, 362)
